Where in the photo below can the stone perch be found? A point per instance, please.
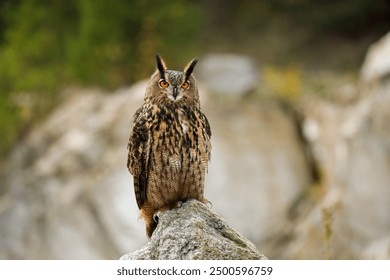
(195, 232)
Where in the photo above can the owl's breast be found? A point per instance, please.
(178, 135)
(178, 156)
(174, 142)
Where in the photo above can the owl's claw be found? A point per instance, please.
(156, 216)
(209, 204)
(179, 204)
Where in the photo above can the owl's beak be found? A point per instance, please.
(174, 95)
(175, 92)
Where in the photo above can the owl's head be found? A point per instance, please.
(171, 85)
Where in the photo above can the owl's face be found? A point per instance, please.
(172, 86)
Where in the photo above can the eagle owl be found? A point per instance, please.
(169, 146)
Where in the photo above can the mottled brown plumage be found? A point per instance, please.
(169, 146)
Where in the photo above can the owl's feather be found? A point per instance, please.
(190, 68)
(138, 155)
(161, 66)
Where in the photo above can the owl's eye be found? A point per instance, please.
(185, 85)
(163, 84)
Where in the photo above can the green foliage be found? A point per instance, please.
(121, 39)
(10, 124)
(107, 43)
(33, 46)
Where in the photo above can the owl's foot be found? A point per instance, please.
(179, 204)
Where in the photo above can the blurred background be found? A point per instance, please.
(297, 93)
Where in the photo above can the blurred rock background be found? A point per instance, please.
(297, 94)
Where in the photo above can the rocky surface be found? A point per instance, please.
(377, 63)
(195, 232)
(66, 193)
(351, 147)
(230, 74)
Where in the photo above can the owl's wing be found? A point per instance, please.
(206, 125)
(207, 129)
(138, 155)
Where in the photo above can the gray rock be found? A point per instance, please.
(351, 147)
(194, 232)
(65, 191)
(378, 250)
(229, 74)
(377, 62)
(257, 166)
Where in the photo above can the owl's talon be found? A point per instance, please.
(209, 204)
(156, 216)
(179, 204)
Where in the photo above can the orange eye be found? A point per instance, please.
(163, 84)
(186, 85)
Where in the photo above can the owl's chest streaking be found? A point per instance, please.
(179, 153)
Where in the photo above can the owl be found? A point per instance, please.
(169, 146)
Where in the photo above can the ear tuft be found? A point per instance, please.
(190, 67)
(161, 66)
